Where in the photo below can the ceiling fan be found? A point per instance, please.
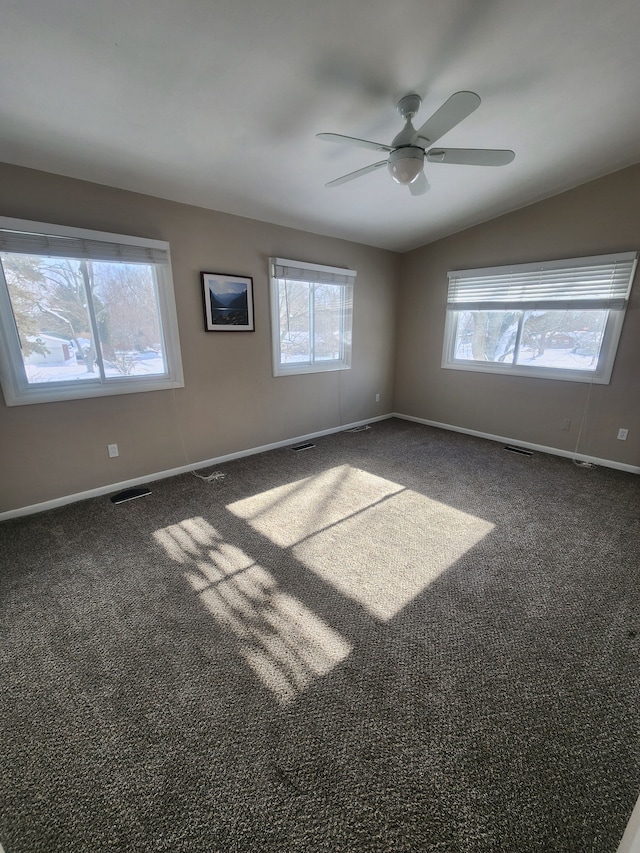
(408, 149)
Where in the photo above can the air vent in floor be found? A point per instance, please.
(306, 446)
(130, 494)
(512, 448)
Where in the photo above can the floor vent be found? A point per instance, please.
(359, 428)
(306, 446)
(521, 450)
(129, 495)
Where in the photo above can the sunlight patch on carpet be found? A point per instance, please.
(188, 539)
(357, 531)
(290, 513)
(285, 643)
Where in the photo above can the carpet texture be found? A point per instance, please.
(402, 639)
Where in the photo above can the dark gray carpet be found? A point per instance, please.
(401, 640)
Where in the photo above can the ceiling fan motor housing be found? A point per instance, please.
(405, 164)
(409, 105)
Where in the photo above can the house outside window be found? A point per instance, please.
(84, 314)
(554, 320)
(311, 317)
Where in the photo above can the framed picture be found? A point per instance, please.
(228, 302)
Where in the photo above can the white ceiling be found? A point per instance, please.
(217, 102)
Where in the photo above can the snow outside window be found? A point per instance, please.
(554, 320)
(311, 317)
(84, 314)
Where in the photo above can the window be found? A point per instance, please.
(557, 320)
(84, 314)
(311, 310)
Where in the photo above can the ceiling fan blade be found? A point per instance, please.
(353, 140)
(420, 185)
(451, 113)
(356, 174)
(471, 156)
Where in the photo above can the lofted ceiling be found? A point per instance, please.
(217, 103)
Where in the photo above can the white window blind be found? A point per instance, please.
(311, 273)
(601, 282)
(79, 248)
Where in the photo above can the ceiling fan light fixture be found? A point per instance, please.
(405, 164)
(407, 151)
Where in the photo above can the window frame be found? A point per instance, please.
(312, 275)
(615, 305)
(18, 391)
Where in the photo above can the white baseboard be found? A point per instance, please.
(554, 451)
(172, 472)
(631, 839)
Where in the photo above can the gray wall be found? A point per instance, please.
(596, 218)
(230, 402)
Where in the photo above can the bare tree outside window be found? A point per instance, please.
(311, 317)
(68, 311)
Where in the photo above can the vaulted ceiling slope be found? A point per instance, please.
(218, 104)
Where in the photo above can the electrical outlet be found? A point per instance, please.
(377, 398)
(623, 433)
(566, 424)
(113, 450)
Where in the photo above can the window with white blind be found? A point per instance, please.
(84, 314)
(556, 320)
(311, 317)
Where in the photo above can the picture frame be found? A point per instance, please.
(228, 302)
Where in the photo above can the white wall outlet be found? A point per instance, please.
(566, 424)
(113, 450)
(623, 433)
(377, 398)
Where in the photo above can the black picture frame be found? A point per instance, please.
(228, 302)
